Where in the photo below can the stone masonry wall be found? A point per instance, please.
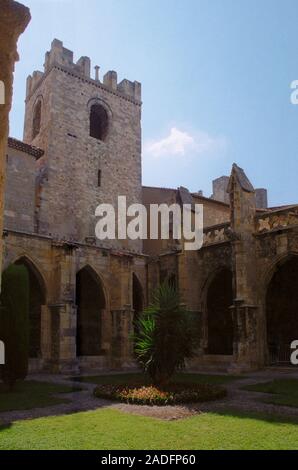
(20, 191)
(57, 264)
(69, 170)
(14, 18)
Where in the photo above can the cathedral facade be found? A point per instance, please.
(82, 147)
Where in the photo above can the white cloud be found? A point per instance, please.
(184, 144)
(177, 143)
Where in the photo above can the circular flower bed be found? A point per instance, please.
(151, 395)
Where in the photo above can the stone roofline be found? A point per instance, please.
(209, 199)
(159, 187)
(26, 148)
(75, 244)
(276, 210)
(194, 195)
(61, 59)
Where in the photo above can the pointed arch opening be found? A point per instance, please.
(219, 315)
(282, 311)
(37, 298)
(90, 301)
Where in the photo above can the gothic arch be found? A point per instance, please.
(35, 267)
(280, 306)
(275, 264)
(217, 298)
(208, 279)
(91, 303)
(37, 298)
(98, 276)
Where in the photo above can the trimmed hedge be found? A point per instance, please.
(173, 394)
(14, 323)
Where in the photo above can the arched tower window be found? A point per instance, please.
(36, 119)
(98, 122)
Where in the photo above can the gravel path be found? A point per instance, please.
(236, 400)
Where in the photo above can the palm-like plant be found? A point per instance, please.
(166, 335)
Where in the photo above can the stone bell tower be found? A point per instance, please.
(90, 131)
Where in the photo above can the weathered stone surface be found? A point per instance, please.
(72, 157)
(14, 18)
(50, 228)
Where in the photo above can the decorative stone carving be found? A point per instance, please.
(216, 234)
(277, 220)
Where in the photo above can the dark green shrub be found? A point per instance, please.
(14, 323)
(166, 335)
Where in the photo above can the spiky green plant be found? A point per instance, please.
(166, 335)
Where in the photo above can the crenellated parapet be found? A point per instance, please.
(60, 56)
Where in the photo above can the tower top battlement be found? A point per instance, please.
(63, 57)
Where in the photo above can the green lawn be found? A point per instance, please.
(31, 394)
(284, 391)
(138, 377)
(111, 429)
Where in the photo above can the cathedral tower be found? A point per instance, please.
(90, 131)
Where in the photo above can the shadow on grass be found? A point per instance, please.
(139, 378)
(275, 418)
(284, 392)
(5, 426)
(28, 395)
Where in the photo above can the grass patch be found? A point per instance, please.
(284, 391)
(108, 429)
(30, 394)
(139, 378)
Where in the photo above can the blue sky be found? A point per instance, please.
(216, 78)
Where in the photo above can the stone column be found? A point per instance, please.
(45, 334)
(63, 313)
(245, 336)
(121, 312)
(245, 310)
(14, 18)
(68, 310)
(121, 353)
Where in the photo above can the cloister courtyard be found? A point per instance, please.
(113, 340)
(260, 411)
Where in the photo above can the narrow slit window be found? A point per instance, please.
(36, 120)
(99, 178)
